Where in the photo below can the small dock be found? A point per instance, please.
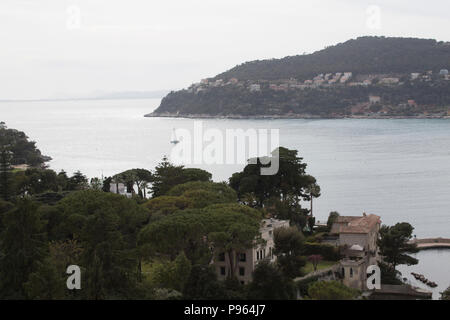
(432, 243)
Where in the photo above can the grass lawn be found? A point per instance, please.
(308, 268)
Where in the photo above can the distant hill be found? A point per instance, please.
(132, 95)
(315, 85)
(120, 95)
(365, 55)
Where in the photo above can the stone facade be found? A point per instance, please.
(358, 244)
(247, 260)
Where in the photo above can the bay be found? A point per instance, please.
(398, 169)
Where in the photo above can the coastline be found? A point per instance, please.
(288, 116)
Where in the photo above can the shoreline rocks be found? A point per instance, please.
(285, 116)
(424, 280)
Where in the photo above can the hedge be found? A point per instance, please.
(327, 251)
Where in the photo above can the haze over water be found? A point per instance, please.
(398, 169)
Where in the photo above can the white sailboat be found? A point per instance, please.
(174, 138)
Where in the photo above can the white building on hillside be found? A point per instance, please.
(246, 261)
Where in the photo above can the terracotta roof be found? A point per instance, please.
(363, 224)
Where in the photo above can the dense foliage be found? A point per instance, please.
(395, 245)
(22, 150)
(363, 55)
(280, 194)
(323, 102)
(446, 294)
(165, 246)
(331, 290)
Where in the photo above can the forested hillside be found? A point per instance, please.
(369, 76)
(366, 55)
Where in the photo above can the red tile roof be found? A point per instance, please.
(347, 224)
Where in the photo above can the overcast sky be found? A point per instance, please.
(58, 48)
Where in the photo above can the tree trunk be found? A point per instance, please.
(231, 259)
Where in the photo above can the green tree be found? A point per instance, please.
(232, 228)
(139, 178)
(165, 205)
(23, 245)
(46, 283)
(313, 191)
(195, 174)
(167, 176)
(35, 181)
(288, 209)
(203, 284)
(96, 184)
(228, 227)
(394, 244)
(63, 181)
(22, 150)
(389, 275)
(289, 244)
(331, 219)
(180, 231)
(173, 274)
(106, 226)
(290, 182)
(78, 182)
(49, 280)
(107, 184)
(5, 173)
(331, 290)
(269, 283)
(446, 294)
(201, 194)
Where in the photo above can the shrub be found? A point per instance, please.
(328, 252)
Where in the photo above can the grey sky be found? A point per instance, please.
(150, 45)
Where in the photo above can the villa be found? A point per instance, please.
(247, 260)
(358, 243)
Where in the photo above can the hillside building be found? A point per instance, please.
(358, 244)
(374, 99)
(246, 261)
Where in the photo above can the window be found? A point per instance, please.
(351, 272)
(260, 254)
(242, 257)
(343, 272)
(222, 256)
(242, 271)
(222, 271)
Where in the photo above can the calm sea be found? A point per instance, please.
(398, 169)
